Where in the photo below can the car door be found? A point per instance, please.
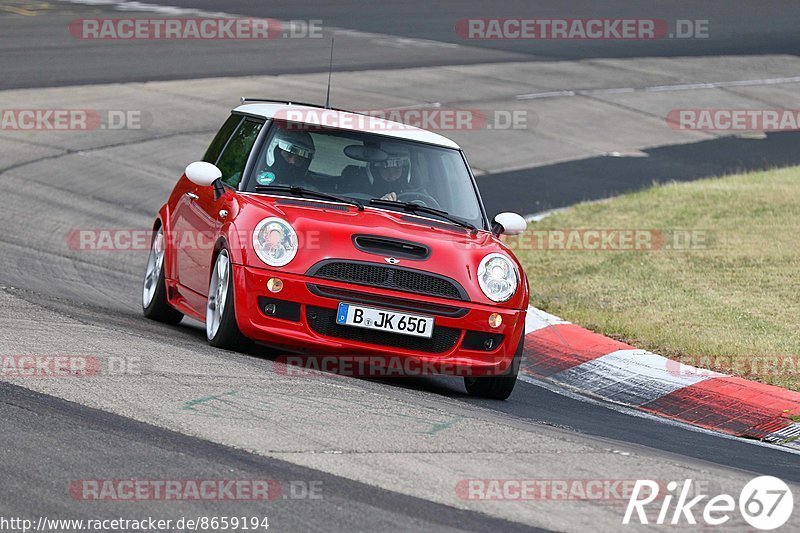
(199, 215)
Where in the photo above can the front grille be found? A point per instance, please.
(323, 321)
(403, 304)
(395, 278)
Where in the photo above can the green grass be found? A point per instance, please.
(732, 303)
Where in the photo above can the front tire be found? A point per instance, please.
(154, 289)
(221, 328)
(497, 387)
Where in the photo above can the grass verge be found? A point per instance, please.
(710, 274)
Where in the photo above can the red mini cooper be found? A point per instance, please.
(324, 232)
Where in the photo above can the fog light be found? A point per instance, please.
(270, 309)
(274, 285)
(495, 320)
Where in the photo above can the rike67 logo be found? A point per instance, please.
(765, 503)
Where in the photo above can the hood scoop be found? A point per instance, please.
(385, 246)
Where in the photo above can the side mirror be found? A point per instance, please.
(202, 173)
(508, 224)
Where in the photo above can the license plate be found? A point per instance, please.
(384, 320)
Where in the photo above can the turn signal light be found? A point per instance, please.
(275, 285)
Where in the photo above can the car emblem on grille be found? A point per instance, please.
(391, 260)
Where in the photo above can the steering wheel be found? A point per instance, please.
(419, 197)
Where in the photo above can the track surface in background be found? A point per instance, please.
(39, 51)
(399, 475)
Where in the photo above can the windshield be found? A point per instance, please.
(364, 166)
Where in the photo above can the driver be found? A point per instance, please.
(391, 176)
(289, 155)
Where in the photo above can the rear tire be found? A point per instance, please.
(497, 387)
(154, 291)
(222, 331)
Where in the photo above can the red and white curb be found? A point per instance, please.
(593, 365)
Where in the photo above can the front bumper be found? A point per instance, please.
(301, 318)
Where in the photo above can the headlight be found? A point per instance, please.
(275, 242)
(498, 277)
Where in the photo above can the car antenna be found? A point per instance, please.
(330, 70)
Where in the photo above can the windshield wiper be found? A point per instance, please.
(302, 191)
(411, 207)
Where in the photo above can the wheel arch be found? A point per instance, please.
(238, 291)
(162, 221)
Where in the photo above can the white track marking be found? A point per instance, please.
(661, 88)
(123, 5)
(631, 411)
(621, 389)
(791, 432)
(537, 319)
(548, 94)
(631, 377)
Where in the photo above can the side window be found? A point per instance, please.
(216, 146)
(234, 158)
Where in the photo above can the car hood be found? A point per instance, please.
(328, 231)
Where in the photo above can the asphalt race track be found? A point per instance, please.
(421, 31)
(72, 438)
(386, 454)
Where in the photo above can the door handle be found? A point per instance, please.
(192, 195)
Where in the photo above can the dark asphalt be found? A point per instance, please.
(736, 27)
(49, 443)
(38, 50)
(536, 404)
(563, 184)
(529, 403)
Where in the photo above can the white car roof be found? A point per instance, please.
(318, 116)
